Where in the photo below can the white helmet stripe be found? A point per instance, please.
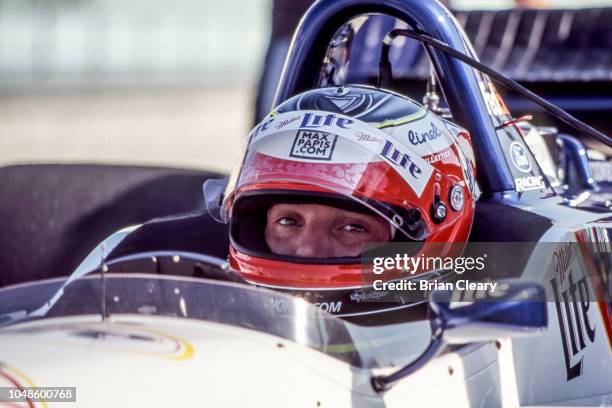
(336, 138)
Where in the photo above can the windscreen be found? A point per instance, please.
(226, 303)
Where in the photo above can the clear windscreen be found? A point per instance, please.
(231, 304)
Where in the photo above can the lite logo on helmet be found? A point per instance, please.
(396, 157)
(312, 120)
(263, 127)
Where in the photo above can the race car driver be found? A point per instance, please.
(333, 169)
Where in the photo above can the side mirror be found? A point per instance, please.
(514, 309)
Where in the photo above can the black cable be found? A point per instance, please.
(385, 75)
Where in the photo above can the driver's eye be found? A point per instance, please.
(287, 221)
(354, 228)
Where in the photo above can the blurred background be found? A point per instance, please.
(155, 82)
(150, 82)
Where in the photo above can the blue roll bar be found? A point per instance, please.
(459, 81)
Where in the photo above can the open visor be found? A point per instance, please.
(316, 152)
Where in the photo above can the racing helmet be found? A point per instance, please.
(358, 148)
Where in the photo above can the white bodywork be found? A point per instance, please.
(133, 360)
(157, 361)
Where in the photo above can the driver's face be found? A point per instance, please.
(321, 231)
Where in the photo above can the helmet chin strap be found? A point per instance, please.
(393, 230)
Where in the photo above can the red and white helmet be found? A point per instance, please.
(351, 146)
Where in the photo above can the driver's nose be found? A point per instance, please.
(312, 243)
